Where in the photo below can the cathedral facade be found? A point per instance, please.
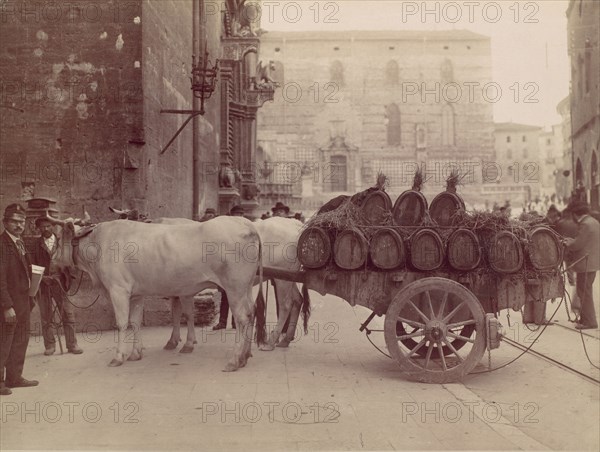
(353, 104)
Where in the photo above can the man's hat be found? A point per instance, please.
(579, 207)
(237, 209)
(14, 210)
(281, 206)
(210, 210)
(39, 220)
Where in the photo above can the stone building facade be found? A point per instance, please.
(351, 104)
(519, 162)
(583, 26)
(564, 173)
(85, 86)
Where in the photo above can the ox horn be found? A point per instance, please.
(85, 221)
(53, 220)
(118, 212)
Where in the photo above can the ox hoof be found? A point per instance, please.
(115, 363)
(267, 347)
(284, 343)
(170, 345)
(135, 356)
(187, 349)
(230, 368)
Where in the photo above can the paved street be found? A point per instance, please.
(331, 390)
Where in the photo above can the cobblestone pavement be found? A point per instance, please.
(331, 390)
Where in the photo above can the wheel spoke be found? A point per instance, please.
(451, 347)
(459, 324)
(423, 316)
(462, 338)
(412, 323)
(410, 335)
(428, 356)
(441, 353)
(428, 295)
(443, 304)
(419, 345)
(454, 311)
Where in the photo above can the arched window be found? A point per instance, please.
(447, 125)
(392, 116)
(338, 175)
(447, 71)
(336, 73)
(392, 73)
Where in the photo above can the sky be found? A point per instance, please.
(528, 40)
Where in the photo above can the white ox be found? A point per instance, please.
(279, 237)
(169, 260)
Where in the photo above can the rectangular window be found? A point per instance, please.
(508, 139)
(524, 139)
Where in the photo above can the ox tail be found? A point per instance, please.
(305, 308)
(261, 331)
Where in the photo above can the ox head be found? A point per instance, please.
(130, 214)
(71, 231)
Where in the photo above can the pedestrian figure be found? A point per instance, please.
(51, 288)
(15, 302)
(586, 260)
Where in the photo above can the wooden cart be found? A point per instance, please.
(426, 315)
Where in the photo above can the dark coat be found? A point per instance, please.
(41, 256)
(15, 274)
(587, 243)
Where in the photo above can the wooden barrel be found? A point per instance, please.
(505, 254)
(350, 249)
(376, 207)
(426, 250)
(409, 208)
(387, 249)
(314, 247)
(544, 249)
(444, 206)
(464, 252)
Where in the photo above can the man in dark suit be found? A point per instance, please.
(15, 303)
(585, 256)
(44, 249)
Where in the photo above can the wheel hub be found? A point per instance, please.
(435, 331)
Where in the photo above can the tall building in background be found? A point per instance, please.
(354, 103)
(518, 157)
(583, 26)
(564, 169)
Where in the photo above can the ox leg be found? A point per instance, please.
(242, 309)
(188, 308)
(293, 318)
(135, 321)
(120, 302)
(283, 296)
(176, 322)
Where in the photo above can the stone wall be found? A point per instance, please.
(82, 85)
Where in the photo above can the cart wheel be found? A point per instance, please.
(465, 331)
(436, 308)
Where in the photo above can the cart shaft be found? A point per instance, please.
(286, 275)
